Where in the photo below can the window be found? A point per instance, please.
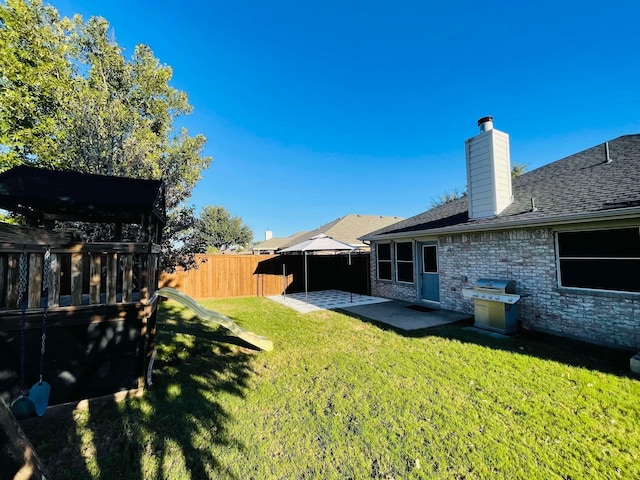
(430, 259)
(600, 259)
(404, 262)
(384, 261)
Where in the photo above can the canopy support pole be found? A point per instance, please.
(284, 280)
(350, 286)
(306, 277)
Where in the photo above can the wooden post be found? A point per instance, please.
(13, 260)
(148, 338)
(95, 278)
(54, 281)
(76, 279)
(153, 272)
(127, 278)
(112, 278)
(18, 459)
(144, 277)
(4, 270)
(35, 280)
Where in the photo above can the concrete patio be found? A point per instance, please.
(324, 300)
(399, 315)
(394, 313)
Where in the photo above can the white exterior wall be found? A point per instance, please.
(488, 173)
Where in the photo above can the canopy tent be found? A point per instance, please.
(319, 243)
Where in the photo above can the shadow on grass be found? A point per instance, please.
(540, 345)
(169, 432)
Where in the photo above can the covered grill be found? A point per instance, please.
(495, 304)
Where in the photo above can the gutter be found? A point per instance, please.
(618, 214)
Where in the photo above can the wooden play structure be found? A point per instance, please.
(76, 315)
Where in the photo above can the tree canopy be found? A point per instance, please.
(220, 230)
(70, 99)
(34, 78)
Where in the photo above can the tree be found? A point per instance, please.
(447, 197)
(88, 108)
(34, 80)
(220, 230)
(518, 169)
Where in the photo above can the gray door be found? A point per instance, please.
(430, 278)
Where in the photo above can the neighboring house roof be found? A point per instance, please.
(275, 243)
(347, 229)
(578, 188)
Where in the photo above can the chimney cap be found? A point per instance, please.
(485, 120)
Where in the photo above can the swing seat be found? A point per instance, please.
(37, 400)
(39, 396)
(23, 408)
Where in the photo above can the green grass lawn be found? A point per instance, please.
(340, 398)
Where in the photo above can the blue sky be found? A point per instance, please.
(317, 109)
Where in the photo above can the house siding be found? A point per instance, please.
(528, 257)
(489, 173)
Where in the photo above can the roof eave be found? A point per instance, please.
(617, 214)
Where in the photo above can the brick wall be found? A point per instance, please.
(528, 257)
(386, 288)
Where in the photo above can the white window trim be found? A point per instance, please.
(559, 258)
(390, 262)
(412, 262)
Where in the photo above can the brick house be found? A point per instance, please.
(568, 233)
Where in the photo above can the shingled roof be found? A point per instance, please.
(275, 243)
(581, 187)
(347, 229)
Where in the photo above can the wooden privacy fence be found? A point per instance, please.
(222, 276)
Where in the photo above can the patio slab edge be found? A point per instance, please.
(395, 313)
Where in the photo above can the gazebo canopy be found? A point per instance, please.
(319, 243)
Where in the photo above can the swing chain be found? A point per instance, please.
(22, 279)
(22, 301)
(45, 294)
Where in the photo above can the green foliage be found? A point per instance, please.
(518, 169)
(34, 80)
(8, 217)
(447, 197)
(219, 230)
(70, 99)
(340, 398)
